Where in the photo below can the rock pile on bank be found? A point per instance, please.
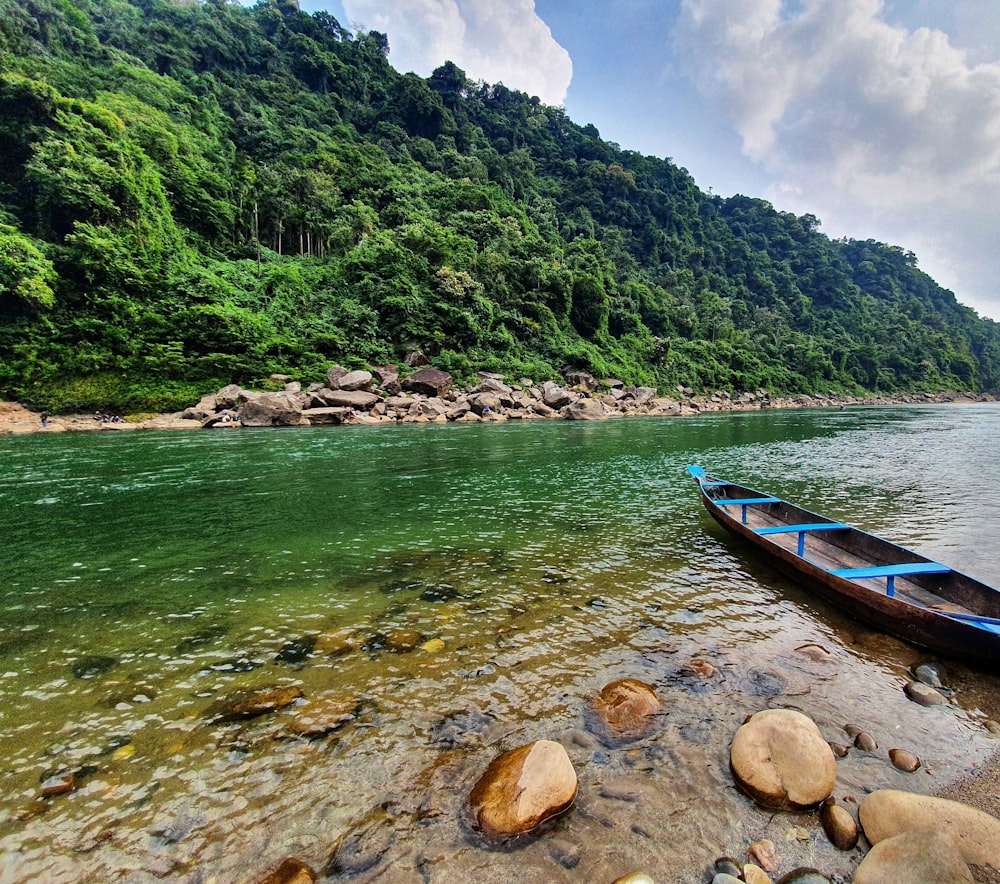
(429, 395)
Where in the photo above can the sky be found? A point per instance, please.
(879, 117)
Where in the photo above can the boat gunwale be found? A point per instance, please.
(914, 622)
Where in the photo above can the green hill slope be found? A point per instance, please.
(193, 194)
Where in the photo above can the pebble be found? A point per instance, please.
(433, 646)
(763, 854)
(726, 865)
(839, 749)
(838, 825)
(865, 742)
(755, 875)
(924, 694)
(634, 878)
(903, 760)
(930, 674)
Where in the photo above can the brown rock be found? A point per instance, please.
(699, 667)
(918, 857)
(753, 874)
(359, 399)
(242, 704)
(865, 742)
(402, 641)
(290, 871)
(523, 788)
(903, 760)
(628, 709)
(781, 760)
(924, 694)
(839, 825)
(763, 854)
(975, 834)
(271, 410)
(335, 644)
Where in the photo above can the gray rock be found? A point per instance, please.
(555, 396)
(348, 398)
(924, 694)
(271, 410)
(334, 374)
(429, 382)
(356, 380)
(584, 409)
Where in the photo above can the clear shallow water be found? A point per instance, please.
(549, 558)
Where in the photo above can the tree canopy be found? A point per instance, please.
(198, 193)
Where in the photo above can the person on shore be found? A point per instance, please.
(45, 418)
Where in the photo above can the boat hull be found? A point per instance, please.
(845, 547)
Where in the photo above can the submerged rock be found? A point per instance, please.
(290, 871)
(628, 709)
(321, 716)
(94, 665)
(242, 704)
(522, 788)
(780, 759)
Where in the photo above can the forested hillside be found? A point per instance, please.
(193, 194)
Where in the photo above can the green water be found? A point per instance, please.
(549, 558)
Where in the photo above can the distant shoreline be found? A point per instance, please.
(15, 419)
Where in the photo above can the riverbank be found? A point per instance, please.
(490, 401)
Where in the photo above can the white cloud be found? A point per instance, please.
(879, 129)
(499, 42)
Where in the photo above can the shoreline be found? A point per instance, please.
(15, 419)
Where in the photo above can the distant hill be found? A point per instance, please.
(193, 194)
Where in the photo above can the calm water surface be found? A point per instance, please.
(147, 575)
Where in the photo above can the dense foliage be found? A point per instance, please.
(193, 194)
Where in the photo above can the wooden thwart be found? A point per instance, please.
(891, 572)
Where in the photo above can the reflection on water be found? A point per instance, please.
(460, 591)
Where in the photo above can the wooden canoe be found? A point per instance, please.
(893, 588)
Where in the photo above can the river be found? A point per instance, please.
(146, 575)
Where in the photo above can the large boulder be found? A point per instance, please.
(429, 382)
(387, 377)
(355, 380)
(919, 857)
(627, 710)
(491, 384)
(555, 396)
(582, 379)
(522, 788)
(334, 374)
(229, 397)
(347, 398)
(271, 410)
(975, 834)
(585, 409)
(780, 759)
